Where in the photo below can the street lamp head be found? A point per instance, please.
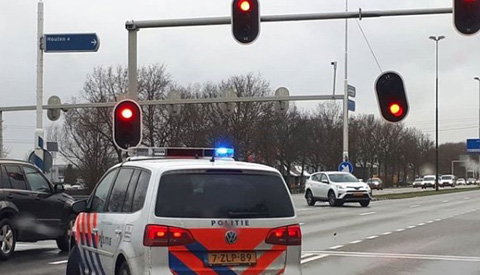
(477, 78)
(437, 38)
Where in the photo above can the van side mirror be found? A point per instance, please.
(79, 206)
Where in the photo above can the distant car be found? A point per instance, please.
(447, 180)
(461, 181)
(471, 181)
(375, 183)
(428, 181)
(417, 183)
(336, 188)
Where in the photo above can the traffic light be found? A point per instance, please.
(391, 96)
(466, 16)
(245, 20)
(127, 124)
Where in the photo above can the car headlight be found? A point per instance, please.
(339, 187)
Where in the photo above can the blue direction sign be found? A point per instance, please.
(473, 146)
(351, 105)
(345, 167)
(71, 42)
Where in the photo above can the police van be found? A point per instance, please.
(187, 211)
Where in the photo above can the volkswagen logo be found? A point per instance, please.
(231, 237)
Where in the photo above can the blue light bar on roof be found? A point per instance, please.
(223, 152)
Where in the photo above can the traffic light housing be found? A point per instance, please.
(391, 96)
(245, 20)
(127, 124)
(466, 16)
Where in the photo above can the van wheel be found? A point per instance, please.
(124, 270)
(310, 199)
(73, 267)
(8, 239)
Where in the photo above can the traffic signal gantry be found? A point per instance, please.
(391, 96)
(245, 20)
(127, 124)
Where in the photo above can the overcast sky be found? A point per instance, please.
(296, 55)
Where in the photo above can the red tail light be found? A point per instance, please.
(286, 235)
(161, 235)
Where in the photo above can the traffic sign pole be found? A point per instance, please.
(38, 145)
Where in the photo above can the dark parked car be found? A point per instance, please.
(375, 183)
(31, 208)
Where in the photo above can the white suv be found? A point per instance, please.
(336, 188)
(187, 216)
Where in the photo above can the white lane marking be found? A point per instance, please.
(416, 205)
(445, 201)
(371, 237)
(437, 220)
(355, 242)
(387, 233)
(336, 247)
(302, 223)
(306, 255)
(467, 198)
(304, 209)
(400, 229)
(411, 226)
(313, 258)
(430, 222)
(367, 213)
(399, 256)
(421, 224)
(59, 262)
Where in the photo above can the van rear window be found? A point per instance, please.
(223, 195)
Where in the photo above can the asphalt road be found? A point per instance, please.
(426, 235)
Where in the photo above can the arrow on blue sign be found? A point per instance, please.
(345, 167)
(71, 42)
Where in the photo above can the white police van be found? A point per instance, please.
(192, 211)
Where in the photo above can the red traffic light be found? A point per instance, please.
(245, 20)
(127, 124)
(391, 96)
(126, 113)
(396, 109)
(466, 16)
(244, 5)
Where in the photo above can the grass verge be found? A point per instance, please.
(423, 193)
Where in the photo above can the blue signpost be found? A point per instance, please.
(473, 146)
(345, 167)
(351, 105)
(71, 42)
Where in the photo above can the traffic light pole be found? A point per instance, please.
(66, 107)
(134, 26)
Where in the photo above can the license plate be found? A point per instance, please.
(358, 194)
(232, 258)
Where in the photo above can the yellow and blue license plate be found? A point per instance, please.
(232, 258)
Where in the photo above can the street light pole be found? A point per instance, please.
(436, 39)
(478, 79)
